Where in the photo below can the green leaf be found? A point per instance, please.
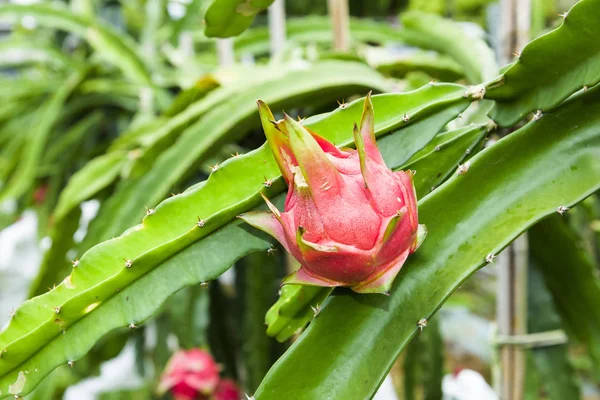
(105, 291)
(317, 29)
(226, 18)
(557, 375)
(116, 47)
(436, 66)
(424, 364)
(551, 67)
(348, 349)
(228, 120)
(569, 273)
(436, 161)
(431, 31)
(95, 176)
(23, 52)
(36, 139)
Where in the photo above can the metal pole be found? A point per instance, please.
(277, 26)
(225, 52)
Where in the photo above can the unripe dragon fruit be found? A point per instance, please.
(348, 219)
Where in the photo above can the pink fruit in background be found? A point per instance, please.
(190, 374)
(227, 390)
(348, 219)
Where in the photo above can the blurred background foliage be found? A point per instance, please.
(95, 97)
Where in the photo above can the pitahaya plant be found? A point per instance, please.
(348, 219)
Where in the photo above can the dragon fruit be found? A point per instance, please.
(348, 219)
(227, 390)
(190, 375)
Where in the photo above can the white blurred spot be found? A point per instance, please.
(467, 385)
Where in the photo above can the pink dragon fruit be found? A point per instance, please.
(227, 390)
(348, 219)
(190, 375)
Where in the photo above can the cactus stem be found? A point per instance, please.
(463, 168)
(422, 324)
(128, 263)
(75, 263)
(490, 258)
(200, 222)
(562, 209)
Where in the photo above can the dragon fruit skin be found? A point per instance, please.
(348, 219)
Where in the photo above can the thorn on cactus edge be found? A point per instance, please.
(214, 167)
(438, 148)
(422, 324)
(537, 115)
(564, 15)
(316, 310)
(463, 168)
(342, 104)
(149, 211)
(249, 397)
(200, 222)
(562, 209)
(204, 284)
(490, 258)
(128, 263)
(56, 310)
(268, 183)
(517, 54)
(75, 263)
(585, 88)
(71, 363)
(406, 118)
(271, 251)
(132, 326)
